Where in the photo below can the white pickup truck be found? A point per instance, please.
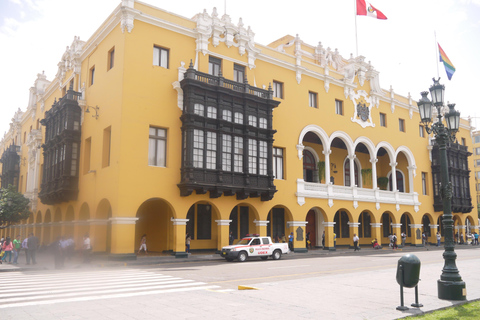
(254, 246)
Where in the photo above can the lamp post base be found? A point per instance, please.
(451, 290)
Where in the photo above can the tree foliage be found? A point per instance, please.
(13, 207)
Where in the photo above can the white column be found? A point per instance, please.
(394, 176)
(374, 161)
(351, 158)
(327, 165)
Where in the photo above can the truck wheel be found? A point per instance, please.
(242, 256)
(264, 258)
(277, 254)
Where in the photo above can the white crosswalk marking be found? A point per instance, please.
(19, 289)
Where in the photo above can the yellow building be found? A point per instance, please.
(163, 125)
(476, 165)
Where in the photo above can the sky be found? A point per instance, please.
(35, 33)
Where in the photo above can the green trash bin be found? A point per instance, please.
(410, 266)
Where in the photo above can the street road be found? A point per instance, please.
(360, 286)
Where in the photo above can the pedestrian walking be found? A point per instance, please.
(188, 238)
(87, 248)
(307, 240)
(394, 241)
(143, 244)
(25, 248)
(334, 240)
(404, 238)
(7, 247)
(355, 242)
(17, 246)
(439, 237)
(32, 244)
(323, 239)
(290, 241)
(476, 238)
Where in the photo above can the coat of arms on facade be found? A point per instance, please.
(362, 111)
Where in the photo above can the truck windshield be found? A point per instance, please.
(244, 241)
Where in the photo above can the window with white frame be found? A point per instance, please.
(262, 123)
(477, 151)
(211, 150)
(476, 139)
(238, 118)
(227, 115)
(278, 163)
(226, 152)
(212, 112)
(312, 99)
(157, 147)
(339, 107)
(160, 57)
(252, 121)
(238, 154)
(198, 146)
(252, 156)
(199, 109)
(262, 158)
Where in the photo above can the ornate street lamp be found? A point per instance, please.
(450, 285)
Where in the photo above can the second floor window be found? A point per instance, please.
(424, 183)
(421, 131)
(160, 57)
(238, 73)
(383, 120)
(278, 163)
(214, 66)
(278, 89)
(312, 99)
(401, 125)
(92, 75)
(339, 107)
(157, 147)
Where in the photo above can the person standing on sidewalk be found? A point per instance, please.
(25, 248)
(323, 239)
(439, 237)
(355, 242)
(143, 244)
(404, 238)
(32, 244)
(87, 248)
(17, 246)
(394, 241)
(290, 241)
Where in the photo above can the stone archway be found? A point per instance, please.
(243, 217)
(154, 222)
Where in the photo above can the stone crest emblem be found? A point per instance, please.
(363, 111)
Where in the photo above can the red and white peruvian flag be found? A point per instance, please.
(365, 8)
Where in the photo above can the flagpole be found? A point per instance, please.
(437, 54)
(355, 13)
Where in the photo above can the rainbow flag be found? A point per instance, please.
(449, 68)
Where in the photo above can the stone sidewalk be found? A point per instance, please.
(45, 260)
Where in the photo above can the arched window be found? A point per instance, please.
(309, 167)
(346, 167)
(364, 229)
(400, 182)
(341, 227)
